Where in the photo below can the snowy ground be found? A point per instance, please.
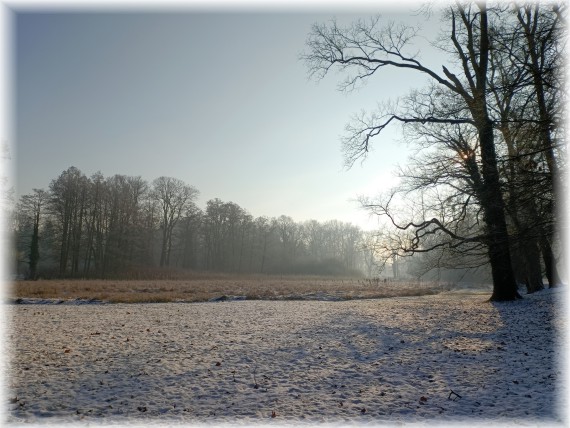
(452, 358)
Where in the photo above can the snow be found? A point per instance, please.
(452, 358)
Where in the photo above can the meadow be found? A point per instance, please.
(207, 287)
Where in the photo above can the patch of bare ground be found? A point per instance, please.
(222, 287)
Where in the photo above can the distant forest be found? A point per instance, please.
(126, 227)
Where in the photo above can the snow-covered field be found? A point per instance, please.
(451, 358)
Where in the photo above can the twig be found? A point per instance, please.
(453, 393)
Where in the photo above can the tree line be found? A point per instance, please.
(123, 226)
(484, 184)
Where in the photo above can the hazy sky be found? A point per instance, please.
(218, 100)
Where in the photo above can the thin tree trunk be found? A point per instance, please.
(549, 263)
(35, 249)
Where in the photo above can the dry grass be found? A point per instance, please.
(206, 288)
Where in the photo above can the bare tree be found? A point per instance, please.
(173, 196)
(68, 199)
(366, 49)
(32, 206)
(542, 28)
(524, 82)
(192, 225)
(265, 228)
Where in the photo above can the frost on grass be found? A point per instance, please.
(443, 358)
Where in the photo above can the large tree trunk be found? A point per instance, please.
(491, 198)
(504, 284)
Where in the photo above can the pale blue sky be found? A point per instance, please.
(218, 100)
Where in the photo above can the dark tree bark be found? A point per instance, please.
(504, 284)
